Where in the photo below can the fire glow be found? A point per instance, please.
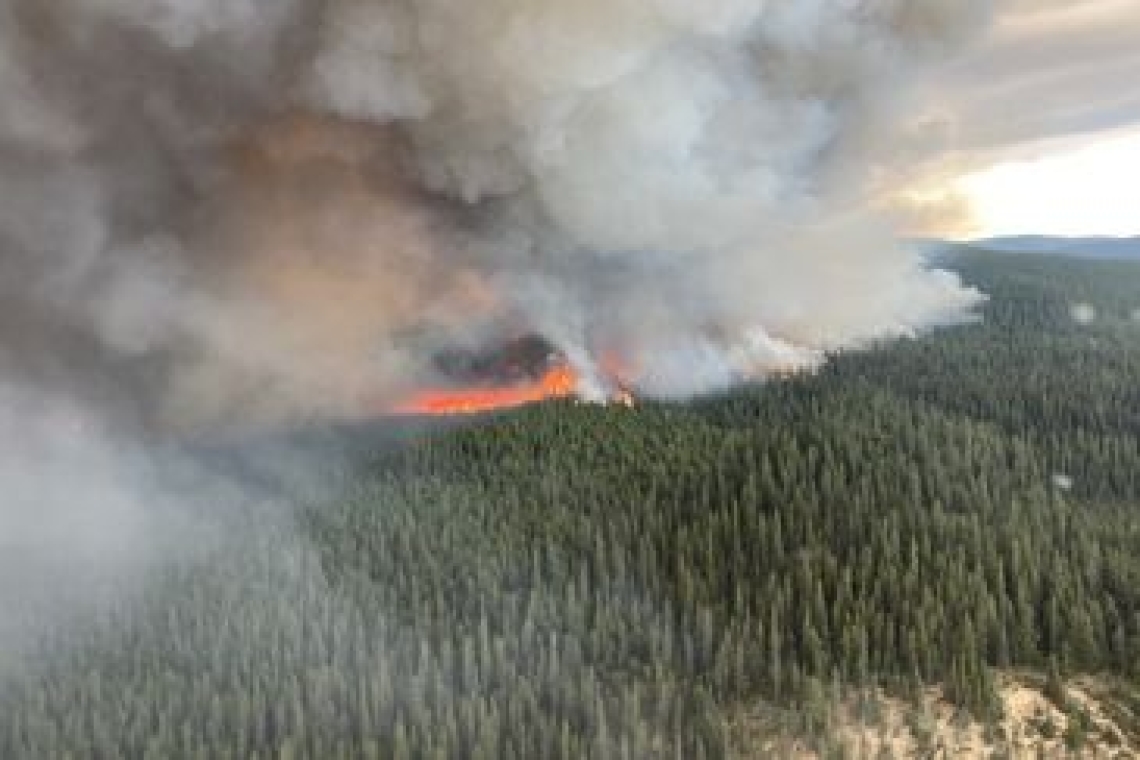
(560, 381)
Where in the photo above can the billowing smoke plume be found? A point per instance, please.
(259, 209)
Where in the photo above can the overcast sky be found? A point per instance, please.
(1043, 117)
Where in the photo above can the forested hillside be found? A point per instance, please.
(572, 581)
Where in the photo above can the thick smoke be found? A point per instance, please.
(270, 209)
(682, 180)
(245, 213)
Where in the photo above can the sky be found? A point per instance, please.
(1041, 122)
(1089, 188)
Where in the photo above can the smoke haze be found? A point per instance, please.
(256, 211)
(220, 214)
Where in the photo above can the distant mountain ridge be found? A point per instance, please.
(1077, 247)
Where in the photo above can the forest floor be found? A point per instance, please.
(1100, 719)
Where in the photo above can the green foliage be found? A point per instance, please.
(582, 582)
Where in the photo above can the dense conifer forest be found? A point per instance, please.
(574, 581)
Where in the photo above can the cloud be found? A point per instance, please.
(1046, 70)
(1047, 77)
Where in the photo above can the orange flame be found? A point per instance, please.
(560, 381)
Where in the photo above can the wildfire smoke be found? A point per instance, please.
(239, 211)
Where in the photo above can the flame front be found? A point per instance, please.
(560, 381)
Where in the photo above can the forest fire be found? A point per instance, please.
(527, 369)
(522, 371)
(560, 381)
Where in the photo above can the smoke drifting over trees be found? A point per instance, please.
(236, 214)
(221, 215)
(211, 207)
(243, 213)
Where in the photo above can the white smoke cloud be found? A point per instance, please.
(711, 141)
(82, 518)
(1083, 313)
(242, 212)
(183, 23)
(244, 206)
